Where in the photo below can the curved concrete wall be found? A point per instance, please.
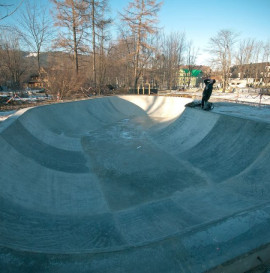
(131, 184)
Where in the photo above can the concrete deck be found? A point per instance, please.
(132, 184)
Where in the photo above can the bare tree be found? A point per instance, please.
(98, 23)
(221, 48)
(266, 60)
(12, 63)
(266, 52)
(93, 16)
(141, 19)
(172, 50)
(35, 29)
(159, 64)
(126, 48)
(10, 9)
(62, 80)
(255, 70)
(244, 55)
(192, 54)
(120, 66)
(70, 18)
(103, 39)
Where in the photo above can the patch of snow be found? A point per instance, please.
(32, 54)
(243, 97)
(5, 115)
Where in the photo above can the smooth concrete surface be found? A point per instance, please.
(131, 184)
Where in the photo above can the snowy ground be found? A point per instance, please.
(246, 104)
(241, 96)
(252, 98)
(5, 115)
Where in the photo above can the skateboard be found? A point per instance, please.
(198, 105)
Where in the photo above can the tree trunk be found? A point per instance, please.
(38, 61)
(94, 45)
(75, 39)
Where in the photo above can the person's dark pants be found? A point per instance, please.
(203, 102)
(206, 97)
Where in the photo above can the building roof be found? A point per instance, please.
(194, 72)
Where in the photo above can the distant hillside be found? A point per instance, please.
(46, 56)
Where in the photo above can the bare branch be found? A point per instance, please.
(12, 12)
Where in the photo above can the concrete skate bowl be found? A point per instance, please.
(133, 184)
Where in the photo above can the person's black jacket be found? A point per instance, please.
(207, 92)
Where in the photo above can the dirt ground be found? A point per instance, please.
(20, 105)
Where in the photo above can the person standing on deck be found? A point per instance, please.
(207, 92)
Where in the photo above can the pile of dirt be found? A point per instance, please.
(14, 105)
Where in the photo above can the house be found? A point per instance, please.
(34, 82)
(37, 81)
(191, 78)
(253, 74)
(238, 83)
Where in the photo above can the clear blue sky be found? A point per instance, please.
(202, 19)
